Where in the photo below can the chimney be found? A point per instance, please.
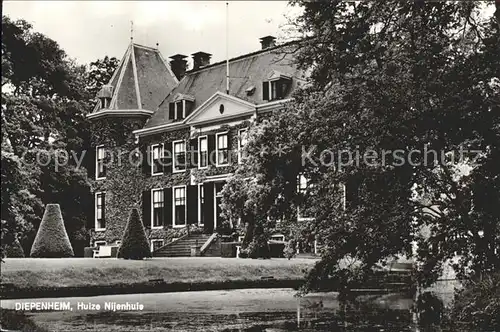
(201, 59)
(178, 65)
(267, 42)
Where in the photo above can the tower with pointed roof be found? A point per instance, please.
(141, 81)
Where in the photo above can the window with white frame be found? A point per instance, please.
(100, 220)
(179, 206)
(202, 151)
(177, 110)
(156, 159)
(242, 142)
(201, 204)
(100, 162)
(222, 149)
(156, 244)
(302, 189)
(179, 148)
(157, 206)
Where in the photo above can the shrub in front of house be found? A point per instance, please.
(134, 243)
(15, 250)
(259, 247)
(276, 250)
(51, 240)
(290, 249)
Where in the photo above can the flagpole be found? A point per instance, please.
(227, 48)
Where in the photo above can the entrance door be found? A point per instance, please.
(218, 219)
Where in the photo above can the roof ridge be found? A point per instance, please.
(241, 57)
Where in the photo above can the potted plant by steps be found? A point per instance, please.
(134, 243)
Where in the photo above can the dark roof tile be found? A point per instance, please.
(244, 71)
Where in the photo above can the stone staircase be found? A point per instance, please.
(181, 247)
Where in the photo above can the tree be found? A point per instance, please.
(51, 240)
(100, 73)
(45, 99)
(134, 243)
(19, 205)
(386, 77)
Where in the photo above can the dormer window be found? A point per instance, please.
(104, 95)
(276, 87)
(180, 106)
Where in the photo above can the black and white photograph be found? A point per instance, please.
(250, 166)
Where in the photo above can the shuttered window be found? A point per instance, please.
(157, 208)
(222, 149)
(100, 162)
(179, 206)
(100, 222)
(156, 159)
(203, 151)
(179, 148)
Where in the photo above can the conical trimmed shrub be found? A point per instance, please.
(134, 241)
(51, 240)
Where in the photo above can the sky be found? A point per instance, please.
(90, 30)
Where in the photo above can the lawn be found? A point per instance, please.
(66, 272)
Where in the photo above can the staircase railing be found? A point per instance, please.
(207, 243)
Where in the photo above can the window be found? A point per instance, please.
(100, 221)
(156, 244)
(179, 206)
(201, 204)
(222, 149)
(179, 148)
(158, 204)
(203, 151)
(275, 89)
(100, 162)
(302, 189)
(177, 110)
(218, 200)
(242, 142)
(156, 159)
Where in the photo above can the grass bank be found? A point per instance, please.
(30, 277)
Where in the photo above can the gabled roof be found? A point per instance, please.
(141, 81)
(245, 71)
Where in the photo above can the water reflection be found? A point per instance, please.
(251, 310)
(324, 312)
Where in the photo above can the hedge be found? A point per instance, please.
(51, 240)
(135, 243)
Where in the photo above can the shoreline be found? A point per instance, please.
(153, 286)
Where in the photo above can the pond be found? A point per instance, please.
(236, 310)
